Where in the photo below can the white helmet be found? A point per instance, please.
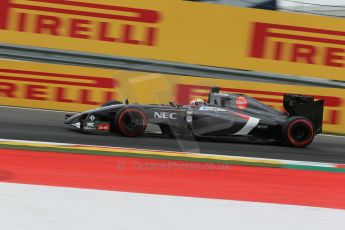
(197, 102)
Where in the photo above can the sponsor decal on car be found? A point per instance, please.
(241, 102)
(103, 127)
(221, 94)
(165, 115)
(262, 126)
(210, 108)
(189, 116)
(90, 125)
(90, 122)
(92, 118)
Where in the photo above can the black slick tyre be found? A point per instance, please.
(131, 122)
(298, 132)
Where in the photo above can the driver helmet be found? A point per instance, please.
(197, 102)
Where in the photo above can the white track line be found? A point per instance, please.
(330, 135)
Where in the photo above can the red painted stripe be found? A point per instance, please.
(99, 82)
(303, 29)
(307, 38)
(272, 185)
(247, 91)
(329, 100)
(82, 13)
(4, 10)
(272, 100)
(28, 79)
(143, 15)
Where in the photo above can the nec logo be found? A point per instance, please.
(165, 115)
(81, 20)
(298, 44)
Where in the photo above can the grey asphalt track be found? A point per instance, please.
(38, 125)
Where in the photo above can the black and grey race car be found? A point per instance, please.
(224, 116)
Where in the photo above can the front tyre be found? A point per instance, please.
(131, 122)
(298, 132)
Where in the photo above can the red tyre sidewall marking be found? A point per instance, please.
(292, 140)
(123, 129)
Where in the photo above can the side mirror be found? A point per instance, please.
(215, 89)
(172, 104)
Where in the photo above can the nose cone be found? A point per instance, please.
(72, 118)
(68, 115)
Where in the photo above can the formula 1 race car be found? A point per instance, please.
(222, 116)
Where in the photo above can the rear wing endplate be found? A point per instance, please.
(306, 106)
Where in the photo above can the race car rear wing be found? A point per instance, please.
(306, 106)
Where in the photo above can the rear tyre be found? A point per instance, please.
(112, 102)
(298, 132)
(131, 122)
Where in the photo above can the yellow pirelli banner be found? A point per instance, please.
(181, 31)
(71, 88)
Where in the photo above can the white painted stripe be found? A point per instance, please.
(329, 135)
(307, 163)
(36, 207)
(7, 59)
(251, 124)
(36, 142)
